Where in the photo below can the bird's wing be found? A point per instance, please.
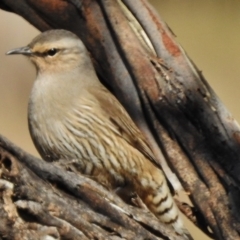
(119, 117)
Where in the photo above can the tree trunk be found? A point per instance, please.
(193, 136)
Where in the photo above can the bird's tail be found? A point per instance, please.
(162, 204)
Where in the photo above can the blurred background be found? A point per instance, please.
(209, 31)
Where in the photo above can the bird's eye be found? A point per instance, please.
(51, 52)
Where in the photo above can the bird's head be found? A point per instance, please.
(55, 51)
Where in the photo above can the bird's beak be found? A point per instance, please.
(22, 50)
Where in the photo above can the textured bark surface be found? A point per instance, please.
(40, 199)
(191, 132)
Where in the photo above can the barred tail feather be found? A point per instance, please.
(164, 207)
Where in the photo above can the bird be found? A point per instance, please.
(72, 115)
